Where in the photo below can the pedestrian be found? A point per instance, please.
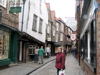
(41, 53)
(60, 60)
(36, 54)
(65, 51)
(48, 51)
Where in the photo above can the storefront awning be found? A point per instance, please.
(58, 44)
(11, 28)
(26, 37)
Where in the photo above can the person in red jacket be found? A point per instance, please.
(60, 60)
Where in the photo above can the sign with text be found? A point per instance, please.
(73, 36)
(15, 9)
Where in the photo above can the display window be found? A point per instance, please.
(4, 44)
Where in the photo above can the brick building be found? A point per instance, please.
(89, 37)
(64, 35)
(8, 33)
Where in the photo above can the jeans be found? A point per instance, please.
(36, 57)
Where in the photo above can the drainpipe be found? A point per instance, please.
(23, 16)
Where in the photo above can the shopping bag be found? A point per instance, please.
(45, 54)
(62, 72)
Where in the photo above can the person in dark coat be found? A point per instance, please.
(60, 60)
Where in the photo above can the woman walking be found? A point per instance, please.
(60, 60)
(36, 55)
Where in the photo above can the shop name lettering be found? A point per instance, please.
(15, 9)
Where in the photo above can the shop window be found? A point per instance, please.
(4, 44)
(88, 45)
(88, 58)
(31, 50)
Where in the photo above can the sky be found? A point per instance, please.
(64, 9)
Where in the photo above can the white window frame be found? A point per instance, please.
(34, 26)
(53, 32)
(12, 3)
(61, 37)
(40, 25)
(62, 27)
(56, 37)
(57, 26)
(40, 4)
(3, 3)
(88, 47)
(31, 48)
(48, 29)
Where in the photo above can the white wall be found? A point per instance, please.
(34, 9)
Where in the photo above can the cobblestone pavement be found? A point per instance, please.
(23, 68)
(72, 68)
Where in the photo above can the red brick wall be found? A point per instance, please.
(86, 69)
(98, 40)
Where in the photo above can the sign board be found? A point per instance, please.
(49, 39)
(15, 9)
(71, 22)
(73, 36)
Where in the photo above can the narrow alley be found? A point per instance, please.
(72, 68)
(34, 34)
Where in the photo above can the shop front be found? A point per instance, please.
(8, 45)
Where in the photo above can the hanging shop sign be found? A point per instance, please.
(15, 9)
(73, 37)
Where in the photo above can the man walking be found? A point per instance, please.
(48, 51)
(40, 53)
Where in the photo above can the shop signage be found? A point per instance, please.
(73, 36)
(15, 9)
(49, 39)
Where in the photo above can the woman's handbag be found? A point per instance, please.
(62, 72)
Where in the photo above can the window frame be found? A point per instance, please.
(40, 25)
(34, 26)
(4, 52)
(48, 29)
(3, 3)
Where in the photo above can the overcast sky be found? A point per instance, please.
(64, 9)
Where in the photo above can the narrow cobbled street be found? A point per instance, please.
(72, 68)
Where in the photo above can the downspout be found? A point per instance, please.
(51, 37)
(28, 15)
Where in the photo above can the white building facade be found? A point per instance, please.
(35, 11)
(33, 29)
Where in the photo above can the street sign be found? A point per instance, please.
(15, 9)
(71, 22)
(73, 36)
